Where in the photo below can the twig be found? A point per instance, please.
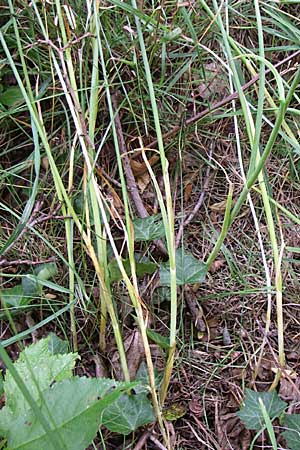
(18, 262)
(142, 441)
(218, 105)
(200, 201)
(131, 183)
(157, 443)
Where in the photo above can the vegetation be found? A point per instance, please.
(150, 224)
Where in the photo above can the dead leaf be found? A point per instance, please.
(219, 207)
(289, 390)
(139, 168)
(187, 192)
(216, 265)
(135, 353)
(196, 406)
(143, 182)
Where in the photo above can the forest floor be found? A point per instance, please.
(216, 120)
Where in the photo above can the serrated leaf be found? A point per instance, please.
(36, 366)
(189, 270)
(75, 408)
(160, 340)
(57, 345)
(128, 413)
(142, 376)
(251, 414)
(148, 228)
(142, 268)
(292, 433)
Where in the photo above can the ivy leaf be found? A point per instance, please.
(142, 376)
(142, 268)
(128, 413)
(251, 414)
(73, 408)
(13, 296)
(148, 228)
(292, 434)
(189, 270)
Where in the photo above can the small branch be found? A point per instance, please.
(18, 262)
(218, 105)
(199, 203)
(131, 183)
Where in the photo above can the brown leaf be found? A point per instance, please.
(289, 389)
(139, 168)
(216, 265)
(187, 191)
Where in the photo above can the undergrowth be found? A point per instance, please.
(150, 218)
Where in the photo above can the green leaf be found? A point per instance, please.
(57, 345)
(46, 271)
(38, 369)
(142, 376)
(160, 340)
(11, 96)
(73, 408)
(189, 270)
(171, 35)
(13, 296)
(22, 294)
(292, 433)
(128, 413)
(251, 413)
(142, 268)
(148, 228)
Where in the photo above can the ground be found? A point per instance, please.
(229, 326)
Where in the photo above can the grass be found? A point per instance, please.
(68, 73)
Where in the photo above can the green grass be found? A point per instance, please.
(67, 72)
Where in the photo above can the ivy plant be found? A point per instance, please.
(253, 415)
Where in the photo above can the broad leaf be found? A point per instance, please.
(38, 369)
(142, 268)
(292, 433)
(11, 96)
(128, 413)
(148, 228)
(251, 413)
(142, 376)
(189, 270)
(13, 296)
(57, 345)
(22, 294)
(46, 271)
(73, 409)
